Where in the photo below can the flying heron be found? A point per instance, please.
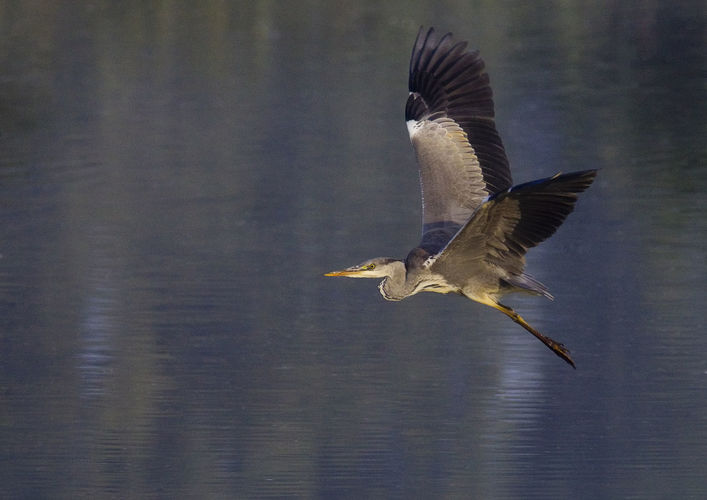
(476, 226)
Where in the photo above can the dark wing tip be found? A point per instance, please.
(544, 205)
(446, 75)
(574, 182)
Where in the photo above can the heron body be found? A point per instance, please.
(476, 226)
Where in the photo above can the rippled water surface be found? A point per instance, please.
(175, 178)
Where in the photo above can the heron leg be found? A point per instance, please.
(554, 346)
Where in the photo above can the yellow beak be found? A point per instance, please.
(345, 272)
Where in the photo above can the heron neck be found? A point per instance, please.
(394, 287)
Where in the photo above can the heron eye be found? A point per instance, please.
(368, 267)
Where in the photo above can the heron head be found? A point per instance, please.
(380, 267)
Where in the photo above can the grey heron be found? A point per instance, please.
(476, 226)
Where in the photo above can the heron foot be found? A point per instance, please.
(560, 349)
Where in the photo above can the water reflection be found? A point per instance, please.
(96, 355)
(174, 180)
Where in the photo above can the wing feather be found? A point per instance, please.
(450, 181)
(450, 119)
(505, 226)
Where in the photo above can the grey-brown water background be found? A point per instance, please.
(176, 177)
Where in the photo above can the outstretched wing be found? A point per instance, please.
(450, 113)
(503, 228)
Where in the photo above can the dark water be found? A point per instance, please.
(174, 180)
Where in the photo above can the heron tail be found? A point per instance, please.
(526, 283)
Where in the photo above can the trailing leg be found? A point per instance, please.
(553, 345)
